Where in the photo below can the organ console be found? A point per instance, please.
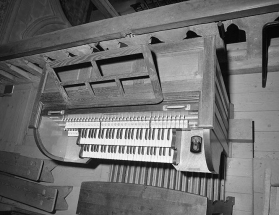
(163, 103)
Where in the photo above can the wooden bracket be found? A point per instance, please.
(221, 207)
(30, 168)
(29, 193)
(47, 198)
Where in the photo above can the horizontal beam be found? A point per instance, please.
(163, 18)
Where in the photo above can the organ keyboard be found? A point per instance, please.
(142, 136)
(163, 103)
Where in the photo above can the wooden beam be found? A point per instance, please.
(33, 66)
(105, 7)
(7, 76)
(168, 17)
(19, 71)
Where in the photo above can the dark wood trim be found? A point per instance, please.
(158, 19)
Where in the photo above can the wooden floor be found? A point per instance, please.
(246, 166)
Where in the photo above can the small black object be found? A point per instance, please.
(196, 144)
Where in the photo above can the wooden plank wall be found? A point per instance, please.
(251, 101)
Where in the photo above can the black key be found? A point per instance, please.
(90, 134)
(94, 133)
(162, 136)
(164, 151)
(87, 133)
(140, 136)
(117, 133)
(146, 134)
(159, 132)
(137, 134)
(153, 133)
(132, 133)
(134, 150)
(106, 133)
(129, 133)
(84, 132)
(147, 151)
(160, 151)
(126, 134)
(119, 149)
(168, 136)
(91, 148)
(100, 133)
(139, 150)
(149, 134)
(113, 132)
(110, 133)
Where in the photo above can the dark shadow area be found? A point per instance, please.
(154, 40)
(234, 35)
(191, 34)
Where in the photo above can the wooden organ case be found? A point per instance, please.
(162, 103)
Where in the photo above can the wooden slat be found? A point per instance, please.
(7, 76)
(21, 166)
(206, 110)
(258, 101)
(19, 71)
(97, 56)
(182, 14)
(239, 184)
(242, 150)
(241, 130)
(29, 193)
(267, 141)
(263, 120)
(260, 165)
(240, 167)
(266, 196)
(104, 198)
(274, 201)
(251, 83)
